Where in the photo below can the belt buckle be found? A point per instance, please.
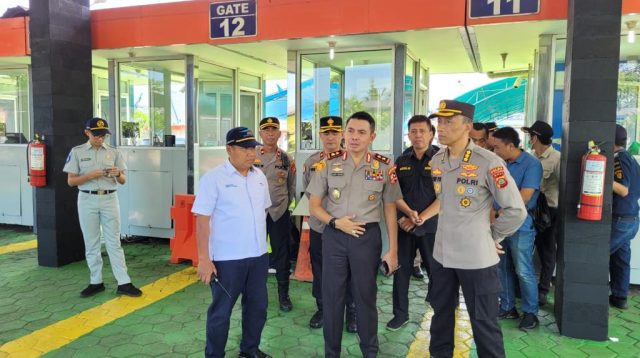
(101, 192)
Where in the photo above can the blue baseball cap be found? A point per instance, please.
(97, 126)
(242, 137)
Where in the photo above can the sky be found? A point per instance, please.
(95, 4)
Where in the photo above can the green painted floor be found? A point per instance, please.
(32, 297)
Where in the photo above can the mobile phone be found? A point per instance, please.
(384, 268)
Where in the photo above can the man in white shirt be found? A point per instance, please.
(232, 245)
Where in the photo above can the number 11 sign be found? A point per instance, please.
(492, 8)
(231, 19)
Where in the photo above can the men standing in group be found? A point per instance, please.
(491, 128)
(330, 136)
(417, 212)
(97, 168)
(355, 184)
(518, 258)
(231, 235)
(467, 179)
(624, 224)
(540, 134)
(280, 170)
(479, 134)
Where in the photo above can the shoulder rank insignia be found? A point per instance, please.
(382, 158)
(335, 154)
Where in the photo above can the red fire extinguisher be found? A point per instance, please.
(592, 192)
(37, 159)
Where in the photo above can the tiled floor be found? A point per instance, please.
(34, 297)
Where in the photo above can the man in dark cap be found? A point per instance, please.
(330, 136)
(624, 226)
(467, 180)
(232, 258)
(540, 134)
(280, 170)
(97, 168)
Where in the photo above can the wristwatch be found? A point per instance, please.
(332, 223)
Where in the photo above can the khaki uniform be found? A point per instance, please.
(550, 184)
(315, 161)
(355, 191)
(466, 189)
(280, 170)
(99, 209)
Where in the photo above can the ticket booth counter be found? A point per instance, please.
(16, 194)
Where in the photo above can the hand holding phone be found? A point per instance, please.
(384, 268)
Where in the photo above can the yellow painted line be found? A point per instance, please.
(19, 246)
(463, 337)
(64, 332)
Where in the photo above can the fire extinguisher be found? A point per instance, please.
(592, 188)
(37, 159)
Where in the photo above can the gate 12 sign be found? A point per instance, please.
(492, 8)
(231, 19)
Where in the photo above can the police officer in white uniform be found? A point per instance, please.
(467, 179)
(97, 168)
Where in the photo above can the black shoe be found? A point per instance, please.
(257, 354)
(316, 320)
(542, 299)
(283, 297)
(529, 321)
(351, 324)
(618, 302)
(396, 323)
(417, 273)
(92, 290)
(129, 289)
(510, 314)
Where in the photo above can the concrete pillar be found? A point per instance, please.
(399, 69)
(60, 38)
(545, 71)
(591, 82)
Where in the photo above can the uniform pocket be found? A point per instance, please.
(374, 186)
(487, 288)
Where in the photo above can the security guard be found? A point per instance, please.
(624, 226)
(330, 135)
(355, 184)
(280, 170)
(418, 221)
(467, 179)
(97, 168)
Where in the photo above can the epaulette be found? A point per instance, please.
(334, 155)
(381, 158)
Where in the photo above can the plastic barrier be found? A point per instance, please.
(183, 244)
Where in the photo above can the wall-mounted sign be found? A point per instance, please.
(230, 19)
(492, 8)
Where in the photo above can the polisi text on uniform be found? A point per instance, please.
(466, 181)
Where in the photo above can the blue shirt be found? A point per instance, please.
(237, 206)
(626, 171)
(527, 173)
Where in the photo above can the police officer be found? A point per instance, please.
(355, 184)
(97, 168)
(330, 135)
(467, 179)
(280, 170)
(624, 226)
(418, 221)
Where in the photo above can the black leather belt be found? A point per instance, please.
(98, 192)
(625, 217)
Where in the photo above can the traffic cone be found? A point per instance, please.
(303, 265)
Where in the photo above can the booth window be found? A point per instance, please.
(350, 82)
(409, 98)
(250, 100)
(152, 103)
(14, 105)
(100, 80)
(215, 104)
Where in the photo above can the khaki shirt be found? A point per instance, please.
(550, 184)
(315, 161)
(280, 170)
(466, 188)
(84, 159)
(356, 190)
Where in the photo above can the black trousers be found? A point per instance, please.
(315, 253)
(342, 255)
(481, 288)
(246, 277)
(407, 245)
(546, 245)
(279, 232)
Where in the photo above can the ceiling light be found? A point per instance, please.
(631, 34)
(332, 50)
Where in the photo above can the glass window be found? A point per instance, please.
(152, 102)
(249, 81)
(351, 82)
(409, 98)
(14, 103)
(215, 104)
(100, 92)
